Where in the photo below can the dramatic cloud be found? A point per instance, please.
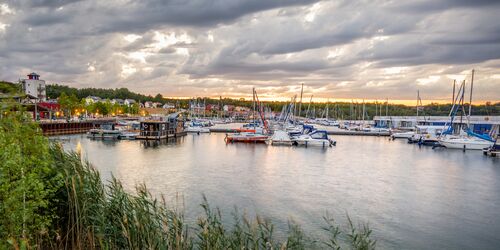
(338, 49)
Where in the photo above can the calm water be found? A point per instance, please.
(412, 197)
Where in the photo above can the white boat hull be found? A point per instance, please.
(404, 135)
(317, 143)
(471, 144)
(197, 130)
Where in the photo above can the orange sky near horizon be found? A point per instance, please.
(332, 100)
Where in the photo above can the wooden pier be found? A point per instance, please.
(66, 128)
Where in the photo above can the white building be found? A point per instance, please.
(92, 99)
(148, 104)
(168, 106)
(34, 87)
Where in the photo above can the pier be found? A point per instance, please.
(330, 132)
(66, 128)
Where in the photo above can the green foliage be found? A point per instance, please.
(69, 103)
(9, 88)
(28, 182)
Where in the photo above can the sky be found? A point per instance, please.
(339, 50)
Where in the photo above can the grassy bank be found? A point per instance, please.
(50, 199)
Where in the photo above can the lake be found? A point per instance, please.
(412, 197)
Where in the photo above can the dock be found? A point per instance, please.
(72, 127)
(330, 132)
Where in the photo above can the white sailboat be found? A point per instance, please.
(470, 140)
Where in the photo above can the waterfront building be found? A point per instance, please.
(479, 124)
(34, 87)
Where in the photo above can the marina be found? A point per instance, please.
(399, 188)
(238, 125)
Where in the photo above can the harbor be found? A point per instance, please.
(399, 188)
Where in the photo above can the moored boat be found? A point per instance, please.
(402, 135)
(315, 138)
(493, 151)
(464, 142)
(106, 131)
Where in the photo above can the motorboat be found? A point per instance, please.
(493, 151)
(426, 135)
(107, 131)
(197, 129)
(315, 138)
(402, 135)
(280, 137)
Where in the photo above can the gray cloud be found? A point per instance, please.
(343, 49)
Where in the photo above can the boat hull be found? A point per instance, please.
(459, 144)
(315, 143)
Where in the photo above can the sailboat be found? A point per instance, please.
(470, 140)
(409, 134)
(256, 134)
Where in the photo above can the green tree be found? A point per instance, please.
(28, 182)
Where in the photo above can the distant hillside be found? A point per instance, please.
(340, 110)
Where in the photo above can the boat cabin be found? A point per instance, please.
(153, 130)
(432, 130)
(319, 134)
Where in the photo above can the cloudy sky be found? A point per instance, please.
(339, 49)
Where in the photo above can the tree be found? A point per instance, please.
(28, 181)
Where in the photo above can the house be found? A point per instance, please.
(228, 108)
(34, 87)
(148, 104)
(129, 102)
(241, 109)
(117, 101)
(92, 99)
(212, 107)
(169, 106)
(157, 104)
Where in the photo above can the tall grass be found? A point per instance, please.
(94, 215)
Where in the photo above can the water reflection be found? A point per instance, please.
(158, 143)
(412, 197)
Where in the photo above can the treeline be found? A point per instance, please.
(55, 90)
(340, 110)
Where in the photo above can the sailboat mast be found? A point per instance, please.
(300, 105)
(363, 109)
(253, 103)
(470, 101)
(418, 98)
(309, 106)
(453, 96)
(387, 107)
